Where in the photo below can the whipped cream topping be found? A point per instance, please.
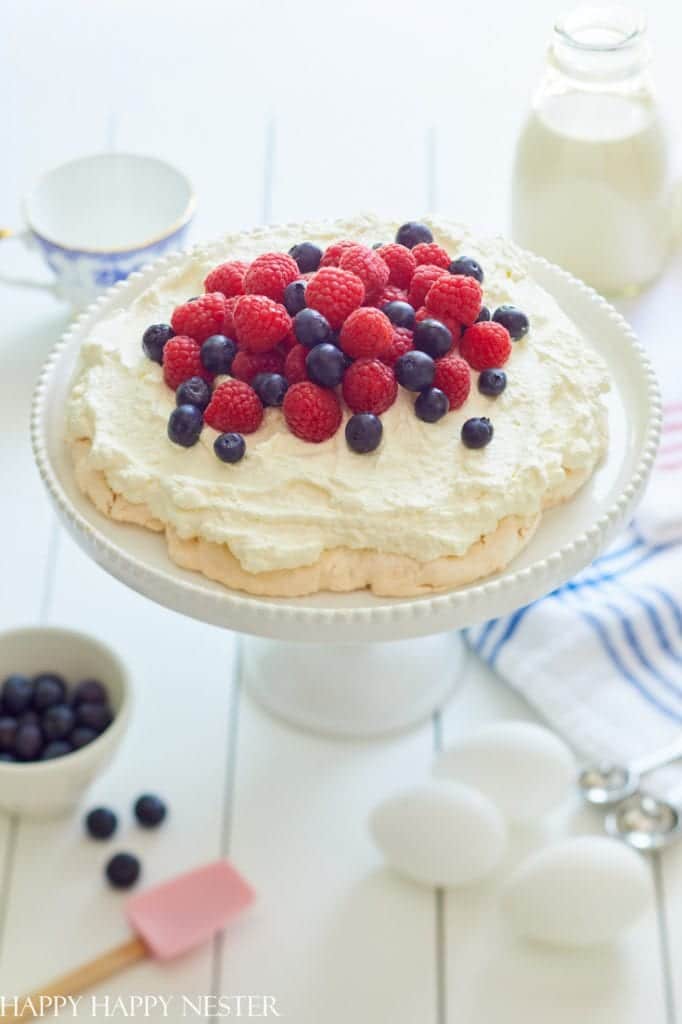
(421, 494)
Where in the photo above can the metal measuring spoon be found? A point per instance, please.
(608, 783)
(644, 822)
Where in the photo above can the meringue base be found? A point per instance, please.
(340, 569)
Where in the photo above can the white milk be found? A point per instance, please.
(590, 189)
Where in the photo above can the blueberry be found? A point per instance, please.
(412, 233)
(432, 337)
(513, 319)
(401, 314)
(415, 370)
(477, 432)
(307, 256)
(431, 405)
(89, 691)
(294, 297)
(217, 353)
(326, 365)
(94, 716)
(363, 432)
(5, 755)
(28, 742)
(48, 689)
(17, 692)
(378, 245)
(81, 736)
(29, 718)
(8, 732)
(483, 315)
(492, 382)
(467, 267)
(270, 387)
(149, 810)
(101, 823)
(229, 447)
(58, 721)
(184, 425)
(123, 870)
(154, 339)
(54, 749)
(194, 391)
(311, 328)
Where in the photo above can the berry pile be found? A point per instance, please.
(123, 869)
(313, 331)
(40, 719)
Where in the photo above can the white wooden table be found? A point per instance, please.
(280, 111)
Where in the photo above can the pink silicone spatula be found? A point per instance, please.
(168, 920)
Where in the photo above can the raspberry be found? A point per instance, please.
(182, 360)
(270, 274)
(335, 294)
(260, 322)
(294, 365)
(391, 294)
(367, 332)
(453, 377)
(246, 365)
(422, 279)
(484, 346)
(228, 324)
(334, 252)
(432, 255)
(455, 296)
(311, 412)
(228, 278)
(454, 326)
(201, 317)
(401, 263)
(369, 386)
(369, 267)
(402, 343)
(234, 406)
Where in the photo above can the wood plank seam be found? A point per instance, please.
(664, 939)
(228, 802)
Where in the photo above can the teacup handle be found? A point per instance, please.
(9, 235)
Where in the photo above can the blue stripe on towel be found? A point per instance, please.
(657, 625)
(635, 646)
(614, 657)
(513, 623)
(670, 601)
(579, 583)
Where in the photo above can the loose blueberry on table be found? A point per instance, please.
(328, 336)
(123, 870)
(150, 810)
(101, 823)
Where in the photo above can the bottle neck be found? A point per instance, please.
(600, 46)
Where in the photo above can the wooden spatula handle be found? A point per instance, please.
(83, 977)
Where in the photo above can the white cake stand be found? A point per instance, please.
(350, 664)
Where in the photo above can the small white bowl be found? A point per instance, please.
(48, 789)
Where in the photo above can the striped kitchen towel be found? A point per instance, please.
(601, 657)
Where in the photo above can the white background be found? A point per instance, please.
(281, 111)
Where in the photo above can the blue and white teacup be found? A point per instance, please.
(99, 218)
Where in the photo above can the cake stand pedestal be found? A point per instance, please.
(356, 664)
(353, 689)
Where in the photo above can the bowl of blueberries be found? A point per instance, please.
(64, 706)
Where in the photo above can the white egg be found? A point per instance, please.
(579, 892)
(440, 833)
(524, 768)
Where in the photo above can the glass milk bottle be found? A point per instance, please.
(590, 189)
